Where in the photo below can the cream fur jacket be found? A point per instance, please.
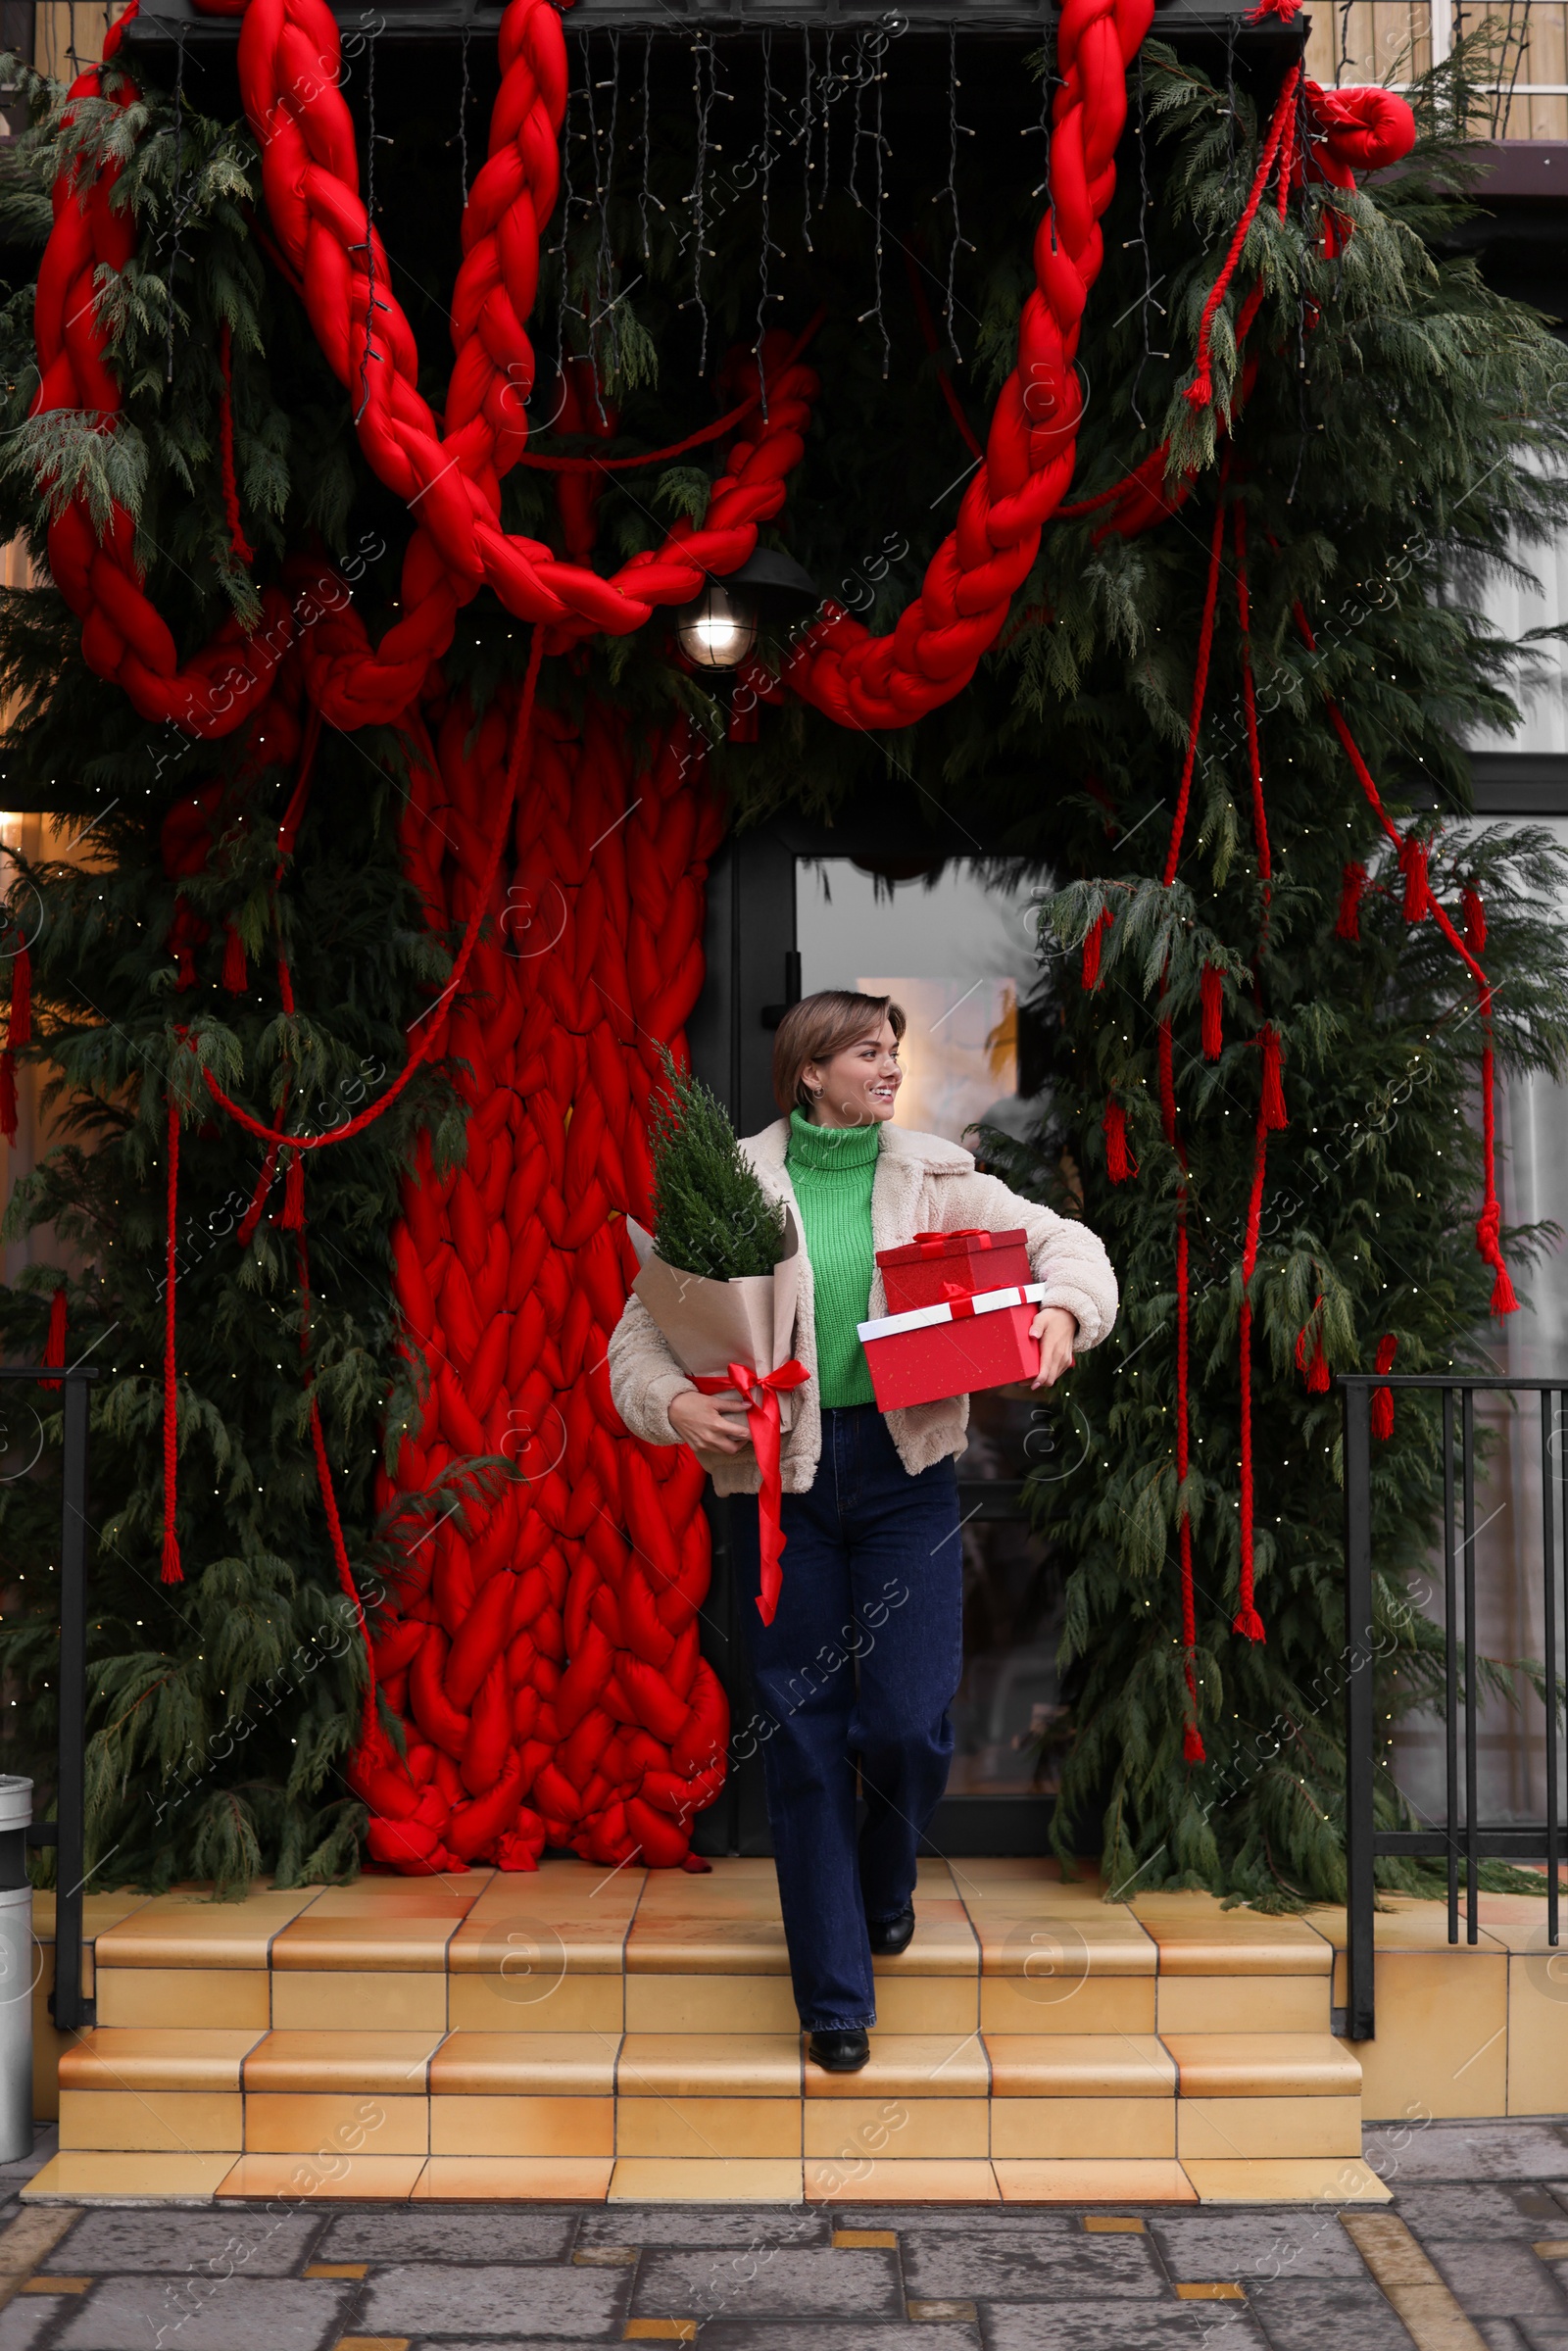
(923, 1185)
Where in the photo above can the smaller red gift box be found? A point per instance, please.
(954, 1349)
(936, 1266)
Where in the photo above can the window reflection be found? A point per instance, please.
(955, 947)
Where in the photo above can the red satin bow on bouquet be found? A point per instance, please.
(762, 1391)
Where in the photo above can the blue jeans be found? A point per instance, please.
(858, 1667)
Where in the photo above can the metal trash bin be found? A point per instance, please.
(18, 1969)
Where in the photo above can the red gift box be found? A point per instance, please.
(953, 1348)
(936, 1266)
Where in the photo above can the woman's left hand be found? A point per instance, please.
(1057, 1331)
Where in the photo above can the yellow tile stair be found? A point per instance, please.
(564, 2034)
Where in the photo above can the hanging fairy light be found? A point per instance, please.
(462, 114)
(558, 249)
(880, 148)
(766, 189)
(960, 242)
(644, 194)
(703, 92)
(808, 126)
(1041, 130)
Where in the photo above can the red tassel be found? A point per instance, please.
(1475, 920)
(1212, 992)
(1383, 1398)
(1488, 1247)
(1311, 1365)
(1249, 1624)
(1352, 888)
(54, 1346)
(1193, 1746)
(1091, 938)
(20, 1029)
(292, 1219)
(236, 976)
(1274, 1116)
(1417, 888)
(17, 1033)
(1119, 1165)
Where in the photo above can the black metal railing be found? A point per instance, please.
(71, 2009)
(1463, 1839)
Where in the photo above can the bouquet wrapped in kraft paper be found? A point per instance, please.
(718, 1274)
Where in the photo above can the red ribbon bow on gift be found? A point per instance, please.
(932, 1244)
(762, 1391)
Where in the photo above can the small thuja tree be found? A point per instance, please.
(710, 1214)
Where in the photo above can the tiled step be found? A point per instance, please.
(694, 2096)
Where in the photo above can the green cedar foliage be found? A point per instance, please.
(1420, 444)
(710, 1214)
(220, 1710)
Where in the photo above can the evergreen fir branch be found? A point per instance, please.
(710, 1214)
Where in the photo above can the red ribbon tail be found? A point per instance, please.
(762, 1418)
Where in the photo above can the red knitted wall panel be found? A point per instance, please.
(544, 1649)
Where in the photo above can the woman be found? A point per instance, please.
(856, 1674)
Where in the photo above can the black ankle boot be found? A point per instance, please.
(839, 2049)
(890, 1937)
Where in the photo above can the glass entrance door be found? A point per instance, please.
(952, 940)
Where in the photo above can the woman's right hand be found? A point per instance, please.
(711, 1423)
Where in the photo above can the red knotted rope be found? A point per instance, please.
(1192, 1736)
(1193, 1744)
(19, 1032)
(239, 546)
(449, 475)
(422, 1050)
(750, 406)
(1419, 903)
(171, 1572)
(1205, 644)
(1201, 391)
(1248, 1622)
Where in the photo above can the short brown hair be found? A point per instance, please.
(818, 1027)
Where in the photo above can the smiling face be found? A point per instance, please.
(859, 1086)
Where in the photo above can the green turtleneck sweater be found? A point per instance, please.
(832, 1170)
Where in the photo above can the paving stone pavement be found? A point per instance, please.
(1485, 2203)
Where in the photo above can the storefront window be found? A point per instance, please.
(955, 945)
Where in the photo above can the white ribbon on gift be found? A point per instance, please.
(953, 1309)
